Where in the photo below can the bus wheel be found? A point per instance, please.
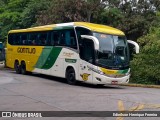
(23, 68)
(17, 67)
(70, 76)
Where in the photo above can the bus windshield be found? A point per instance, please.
(113, 51)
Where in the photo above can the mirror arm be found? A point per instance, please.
(94, 39)
(135, 44)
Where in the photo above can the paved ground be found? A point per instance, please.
(45, 93)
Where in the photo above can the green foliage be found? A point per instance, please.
(134, 18)
(10, 16)
(146, 65)
(16, 14)
(33, 8)
(69, 11)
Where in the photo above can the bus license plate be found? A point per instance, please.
(114, 82)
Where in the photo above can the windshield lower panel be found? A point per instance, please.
(113, 51)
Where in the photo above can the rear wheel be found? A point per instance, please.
(17, 67)
(23, 68)
(70, 76)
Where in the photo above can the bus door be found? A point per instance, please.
(87, 59)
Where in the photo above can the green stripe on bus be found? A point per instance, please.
(52, 58)
(44, 55)
(122, 71)
(48, 57)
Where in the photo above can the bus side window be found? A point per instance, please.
(11, 39)
(23, 40)
(17, 39)
(62, 38)
(43, 39)
(56, 38)
(73, 39)
(49, 38)
(52, 38)
(70, 39)
(32, 39)
(14, 39)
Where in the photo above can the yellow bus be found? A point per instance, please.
(77, 51)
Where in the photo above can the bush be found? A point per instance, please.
(146, 65)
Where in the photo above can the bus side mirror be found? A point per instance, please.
(94, 39)
(134, 45)
(133, 48)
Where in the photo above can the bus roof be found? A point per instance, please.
(91, 26)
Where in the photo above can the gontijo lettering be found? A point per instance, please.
(26, 50)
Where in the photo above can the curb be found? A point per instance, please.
(141, 85)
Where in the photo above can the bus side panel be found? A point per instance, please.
(10, 56)
(47, 61)
(70, 58)
(28, 54)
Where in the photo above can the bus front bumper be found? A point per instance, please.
(103, 79)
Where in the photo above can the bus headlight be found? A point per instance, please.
(97, 71)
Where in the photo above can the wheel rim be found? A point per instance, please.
(71, 77)
(23, 69)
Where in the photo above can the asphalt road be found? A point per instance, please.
(46, 93)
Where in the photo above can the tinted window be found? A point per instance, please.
(82, 31)
(64, 38)
(23, 39)
(10, 39)
(87, 50)
(33, 38)
(45, 38)
(14, 39)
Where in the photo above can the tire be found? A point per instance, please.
(70, 76)
(23, 68)
(17, 67)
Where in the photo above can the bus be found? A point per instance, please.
(77, 51)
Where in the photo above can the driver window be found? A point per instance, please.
(87, 50)
(82, 31)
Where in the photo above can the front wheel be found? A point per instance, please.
(70, 76)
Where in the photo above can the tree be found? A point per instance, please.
(145, 66)
(69, 11)
(132, 17)
(10, 15)
(29, 14)
(18, 14)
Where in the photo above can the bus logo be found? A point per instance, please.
(85, 76)
(26, 50)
